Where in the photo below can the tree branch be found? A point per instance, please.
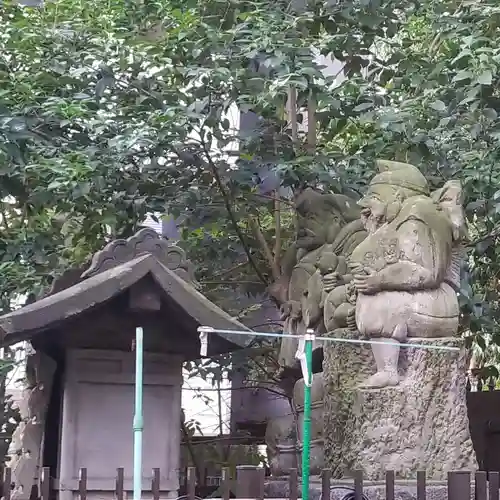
(292, 98)
(254, 225)
(277, 232)
(231, 215)
(230, 270)
(311, 122)
(274, 198)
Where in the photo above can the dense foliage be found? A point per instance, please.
(112, 110)
(431, 97)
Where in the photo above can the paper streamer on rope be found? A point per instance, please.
(301, 356)
(204, 331)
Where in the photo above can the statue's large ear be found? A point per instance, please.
(450, 199)
(394, 205)
(451, 192)
(346, 206)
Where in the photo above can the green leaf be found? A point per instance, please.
(463, 75)
(438, 105)
(490, 113)
(54, 185)
(102, 84)
(363, 107)
(485, 78)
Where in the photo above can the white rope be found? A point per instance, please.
(208, 329)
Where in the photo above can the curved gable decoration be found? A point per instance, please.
(145, 241)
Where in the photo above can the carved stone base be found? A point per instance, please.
(281, 439)
(421, 424)
(344, 367)
(26, 445)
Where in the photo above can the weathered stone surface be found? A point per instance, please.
(314, 272)
(407, 271)
(420, 424)
(398, 283)
(281, 440)
(344, 367)
(26, 446)
(401, 492)
(328, 229)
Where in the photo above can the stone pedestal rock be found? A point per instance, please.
(420, 424)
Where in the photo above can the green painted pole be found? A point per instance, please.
(138, 424)
(306, 447)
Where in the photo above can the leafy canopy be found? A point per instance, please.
(110, 111)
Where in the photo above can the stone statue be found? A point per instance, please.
(407, 271)
(314, 293)
(328, 229)
(410, 415)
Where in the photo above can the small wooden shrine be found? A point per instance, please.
(78, 406)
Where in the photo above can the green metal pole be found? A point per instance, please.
(306, 447)
(138, 424)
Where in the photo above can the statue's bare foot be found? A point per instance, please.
(381, 380)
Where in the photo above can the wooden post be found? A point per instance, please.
(119, 483)
(247, 482)
(389, 485)
(261, 481)
(481, 486)
(7, 481)
(226, 483)
(191, 483)
(82, 484)
(358, 485)
(45, 483)
(155, 484)
(421, 485)
(459, 485)
(326, 476)
(494, 480)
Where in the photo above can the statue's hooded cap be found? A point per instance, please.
(402, 175)
(310, 201)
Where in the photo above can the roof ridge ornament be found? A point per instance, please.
(145, 241)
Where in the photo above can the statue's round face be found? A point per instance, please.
(313, 229)
(374, 208)
(310, 234)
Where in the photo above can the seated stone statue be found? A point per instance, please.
(328, 228)
(407, 271)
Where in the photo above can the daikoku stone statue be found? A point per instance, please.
(385, 269)
(410, 413)
(407, 271)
